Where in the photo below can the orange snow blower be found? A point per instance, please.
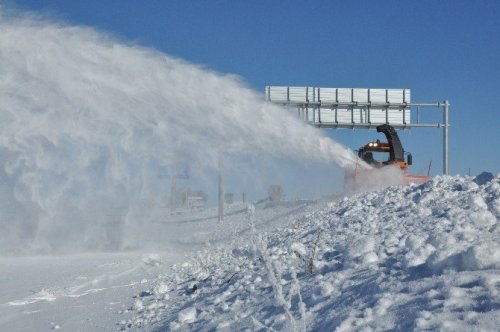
(393, 147)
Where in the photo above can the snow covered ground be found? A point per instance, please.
(93, 291)
(403, 258)
(75, 292)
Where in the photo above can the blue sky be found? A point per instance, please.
(439, 49)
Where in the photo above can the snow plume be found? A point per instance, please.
(87, 122)
(359, 180)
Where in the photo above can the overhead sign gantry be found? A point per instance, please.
(358, 108)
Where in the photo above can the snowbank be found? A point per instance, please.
(403, 258)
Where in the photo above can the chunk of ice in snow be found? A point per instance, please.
(483, 218)
(160, 289)
(361, 246)
(476, 203)
(370, 257)
(138, 305)
(299, 248)
(326, 288)
(483, 256)
(419, 256)
(187, 315)
(496, 205)
(413, 242)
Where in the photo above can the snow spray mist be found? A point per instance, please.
(84, 119)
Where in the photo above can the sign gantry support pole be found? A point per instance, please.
(446, 109)
(220, 210)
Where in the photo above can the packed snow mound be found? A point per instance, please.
(423, 257)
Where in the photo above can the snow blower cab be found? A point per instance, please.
(393, 148)
(392, 153)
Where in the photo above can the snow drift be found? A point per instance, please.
(88, 123)
(421, 257)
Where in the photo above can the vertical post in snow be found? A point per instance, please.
(446, 110)
(221, 191)
(173, 193)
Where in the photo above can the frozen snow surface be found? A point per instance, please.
(421, 257)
